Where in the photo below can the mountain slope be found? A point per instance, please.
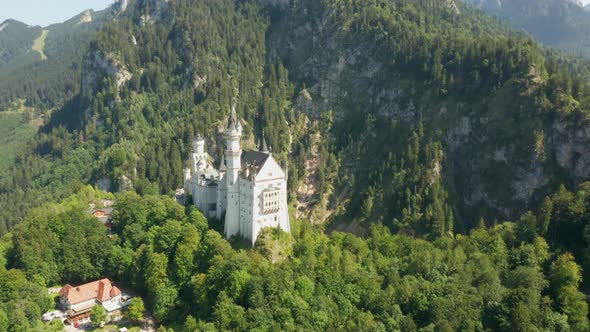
(404, 98)
(418, 116)
(557, 23)
(388, 120)
(16, 39)
(42, 65)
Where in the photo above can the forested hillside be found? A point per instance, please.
(42, 65)
(419, 126)
(500, 279)
(16, 39)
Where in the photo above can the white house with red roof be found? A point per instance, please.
(77, 301)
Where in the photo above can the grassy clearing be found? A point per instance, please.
(39, 44)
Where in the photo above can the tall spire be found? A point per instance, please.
(231, 121)
(222, 166)
(263, 146)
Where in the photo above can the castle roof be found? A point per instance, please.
(253, 158)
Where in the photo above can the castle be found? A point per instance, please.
(250, 187)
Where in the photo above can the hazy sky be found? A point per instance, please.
(45, 12)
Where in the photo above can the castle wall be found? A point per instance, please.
(211, 204)
(246, 211)
(263, 216)
(248, 203)
(221, 198)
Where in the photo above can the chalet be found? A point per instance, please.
(104, 215)
(78, 301)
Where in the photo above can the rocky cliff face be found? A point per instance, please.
(98, 66)
(86, 17)
(156, 10)
(572, 149)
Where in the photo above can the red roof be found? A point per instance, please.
(102, 290)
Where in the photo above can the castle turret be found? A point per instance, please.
(199, 156)
(233, 153)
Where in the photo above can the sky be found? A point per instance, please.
(46, 12)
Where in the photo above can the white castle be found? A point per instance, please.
(250, 187)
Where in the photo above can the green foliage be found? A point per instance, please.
(98, 315)
(566, 277)
(372, 166)
(17, 129)
(393, 173)
(3, 321)
(489, 279)
(22, 301)
(135, 309)
(74, 236)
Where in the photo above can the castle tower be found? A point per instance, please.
(222, 189)
(233, 153)
(199, 155)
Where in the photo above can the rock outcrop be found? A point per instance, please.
(97, 66)
(86, 17)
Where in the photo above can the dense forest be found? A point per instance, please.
(451, 148)
(504, 278)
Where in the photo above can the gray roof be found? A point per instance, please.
(254, 158)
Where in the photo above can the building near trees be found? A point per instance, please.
(78, 301)
(249, 188)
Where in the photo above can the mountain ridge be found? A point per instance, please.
(561, 24)
(46, 79)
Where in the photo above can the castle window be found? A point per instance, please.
(270, 200)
